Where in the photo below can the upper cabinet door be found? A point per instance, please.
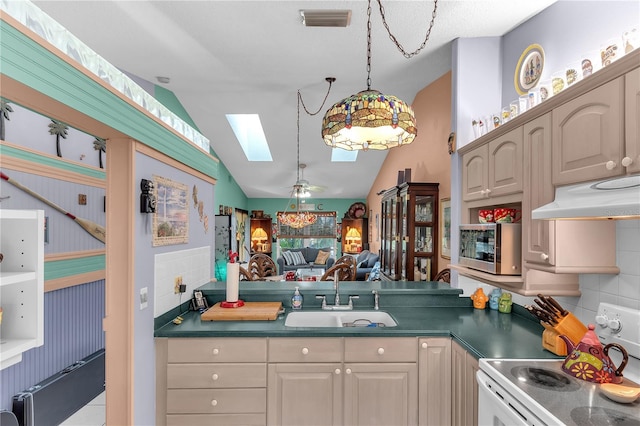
(631, 159)
(588, 136)
(493, 169)
(505, 164)
(475, 180)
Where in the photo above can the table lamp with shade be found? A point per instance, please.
(259, 238)
(353, 238)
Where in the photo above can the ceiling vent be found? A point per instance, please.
(326, 18)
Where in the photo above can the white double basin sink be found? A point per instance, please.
(339, 319)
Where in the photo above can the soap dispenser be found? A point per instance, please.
(296, 299)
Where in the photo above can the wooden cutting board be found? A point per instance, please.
(251, 311)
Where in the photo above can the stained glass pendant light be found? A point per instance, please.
(299, 219)
(370, 119)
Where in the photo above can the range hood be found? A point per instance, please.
(617, 198)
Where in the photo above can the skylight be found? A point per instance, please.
(248, 131)
(342, 155)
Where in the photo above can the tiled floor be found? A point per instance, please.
(92, 414)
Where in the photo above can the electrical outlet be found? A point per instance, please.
(177, 282)
(144, 298)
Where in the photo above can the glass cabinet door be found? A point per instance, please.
(393, 237)
(422, 269)
(424, 208)
(403, 237)
(423, 241)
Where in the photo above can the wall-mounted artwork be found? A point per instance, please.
(171, 219)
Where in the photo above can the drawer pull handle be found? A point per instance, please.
(214, 402)
(216, 351)
(544, 256)
(424, 345)
(380, 351)
(627, 161)
(305, 351)
(214, 376)
(337, 371)
(348, 371)
(610, 165)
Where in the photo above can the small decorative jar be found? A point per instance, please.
(479, 299)
(504, 303)
(494, 297)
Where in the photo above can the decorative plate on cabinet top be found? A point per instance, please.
(357, 210)
(529, 69)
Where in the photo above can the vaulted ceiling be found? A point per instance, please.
(227, 57)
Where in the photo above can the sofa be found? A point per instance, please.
(288, 262)
(365, 261)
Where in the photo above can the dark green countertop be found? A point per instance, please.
(420, 309)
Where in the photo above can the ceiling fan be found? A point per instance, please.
(302, 188)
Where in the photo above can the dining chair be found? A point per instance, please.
(345, 272)
(261, 266)
(444, 276)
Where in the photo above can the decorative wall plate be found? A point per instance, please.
(357, 210)
(529, 69)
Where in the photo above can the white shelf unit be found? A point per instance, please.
(21, 283)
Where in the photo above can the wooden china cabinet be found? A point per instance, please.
(410, 231)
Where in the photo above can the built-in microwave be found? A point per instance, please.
(492, 247)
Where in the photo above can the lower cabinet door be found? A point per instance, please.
(304, 394)
(381, 394)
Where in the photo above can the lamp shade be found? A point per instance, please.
(259, 234)
(353, 234)
(369, 120)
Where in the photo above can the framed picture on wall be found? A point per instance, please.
(171, 218)
(445, 227)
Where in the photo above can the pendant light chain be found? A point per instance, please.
(369, 45)
(393, 38)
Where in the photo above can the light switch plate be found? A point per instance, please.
(144, 297)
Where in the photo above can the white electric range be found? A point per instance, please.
(538, 392)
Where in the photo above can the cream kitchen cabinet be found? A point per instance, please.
(305, 381)
(355, 381)
(558, 246)
(464, 388)
(434, 381)
(380, 381)
(21, 283)
(212, 381)
(588, 135)
(631, 159)
(493, 169)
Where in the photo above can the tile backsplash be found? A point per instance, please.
(193, 265)
(622, 289)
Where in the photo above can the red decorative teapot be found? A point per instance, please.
(589, 361)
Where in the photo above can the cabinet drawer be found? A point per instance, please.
(388, 349)
(196, 376)
(203, 401)
(216, 350)
(216, 419)
(305, 350)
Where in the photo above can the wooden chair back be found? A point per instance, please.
(261, 266)
(345, 271)
(444, 275)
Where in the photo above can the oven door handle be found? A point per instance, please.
(497, 406)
